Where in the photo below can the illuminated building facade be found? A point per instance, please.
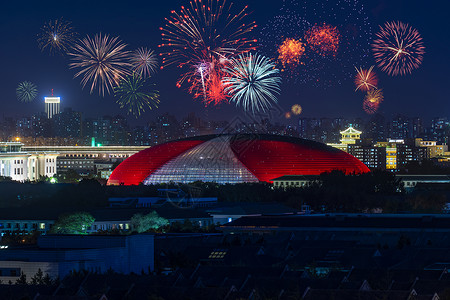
(398, 153)
(348, 137)
(23, 165)
(234, 158)
(372, 157)
(52, 106)
(87, 158)
(434, 150)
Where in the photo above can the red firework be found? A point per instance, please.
(207, 34)
(372, 101)
(365, 80)
(215, 93)
(370, 107)
(290, 52)
(398, 48)
(324, 39)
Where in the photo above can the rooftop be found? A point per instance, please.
(344, 222)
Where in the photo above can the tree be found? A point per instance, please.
(22, 279)
(151, 221)
(38, 278)
(75, 223)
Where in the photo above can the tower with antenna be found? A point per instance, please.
(52, 105)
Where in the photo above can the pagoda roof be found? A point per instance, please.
(351, 130)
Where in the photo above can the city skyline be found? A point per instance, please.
(408, 94)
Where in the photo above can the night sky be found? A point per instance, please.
(424, 93)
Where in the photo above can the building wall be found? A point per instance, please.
(59, 255)
(21, 165)
(11, 270)
(26, 226)
(373, 157)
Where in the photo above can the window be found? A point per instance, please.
(42, 226)
(14, 272)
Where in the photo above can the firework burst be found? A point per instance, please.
(102, 61)
(374, 96)
(26, 91)
(135, 94)
(370, 107)
(323, 39)
(296, 17)
(144, 62)
(296, 109)
(290, 52)
(365, 80)
(398, 48)
(56, 36)
(206, 33)
(252, 81)
(372, 101)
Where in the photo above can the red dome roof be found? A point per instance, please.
(232, 159)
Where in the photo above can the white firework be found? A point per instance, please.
(144, 62)
(252, 81)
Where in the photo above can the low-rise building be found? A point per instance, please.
(410, 181)
(58, 255)
(23, 165)
(88, 158)
(288, 181)
(228, 212)
(25, 221)
(434, 150)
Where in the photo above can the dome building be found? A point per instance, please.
(233, 158)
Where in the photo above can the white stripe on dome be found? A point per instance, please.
(211, 161)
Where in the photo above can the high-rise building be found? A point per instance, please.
(400, 128)
(376, 128)
(67, 123)
(52, 106)
(440, 130)
(373, 157)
